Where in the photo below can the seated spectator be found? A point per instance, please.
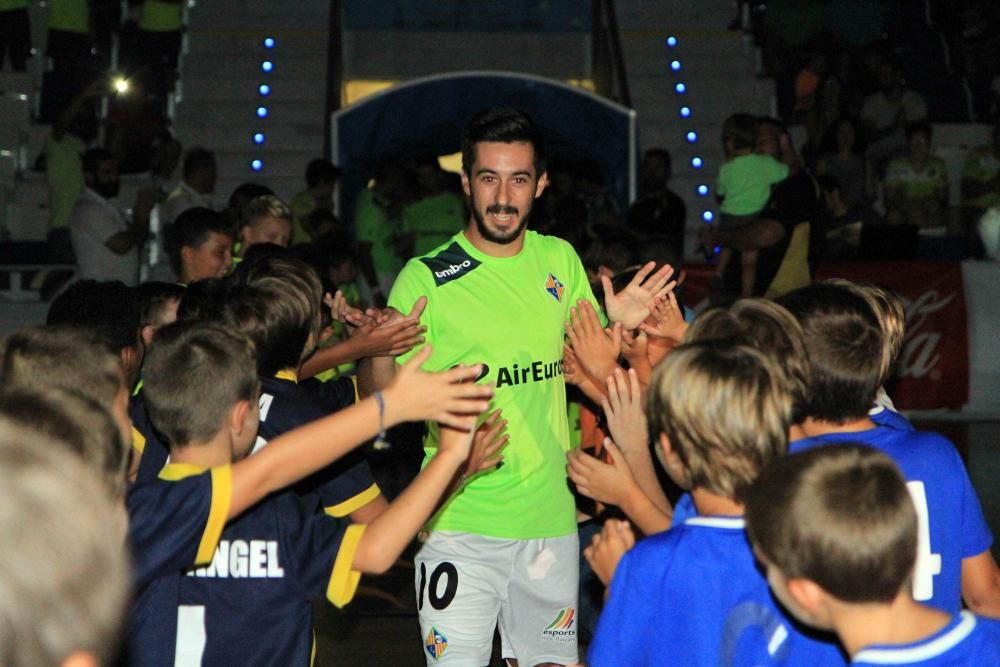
(887, 112)
(981, 180)
(591, 186)
(842, 158)
(915, 186)
(842, 224)
(106, 246)
(658, 211)
(196, 187)
(321, 180)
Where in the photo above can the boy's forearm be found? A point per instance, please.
(390, 533)
(325, 358)
(375, 373)
(641, 465)
(644, 514)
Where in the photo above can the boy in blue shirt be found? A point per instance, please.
(693, 594)
(239, 593)
(844, 344)
(837, 531)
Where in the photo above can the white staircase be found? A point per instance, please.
(219, 90)
(718, 70)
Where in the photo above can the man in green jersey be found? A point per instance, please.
(504, 548)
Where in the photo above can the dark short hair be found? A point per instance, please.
(319, 171)
(838, 515)
(203, 299)
(197, 158)
(243, 194)
(503, 125)
(741, 130)
(110, 309)
(276, 301)
(845, 347)
(153, 298)
(194, 227)
(92, 159)
(194, 375)
(660, 153)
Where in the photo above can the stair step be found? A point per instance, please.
(209, 88)
(233, 41)
(243, 112)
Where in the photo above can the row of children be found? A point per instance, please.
(246, 504)
(799, 475)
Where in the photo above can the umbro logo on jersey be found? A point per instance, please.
(554, 287)
(450, 264)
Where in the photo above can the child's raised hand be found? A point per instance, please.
(341, 311)
(608, 547)
(665, 319)
(635, 349)
(481, 450)
(451, 397)
(631, 305)
(597, 350)
(604, 482)
(390, 338)
(623, 411)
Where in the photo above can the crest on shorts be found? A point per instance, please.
(562, 626)
(554, 287)
(435, 644)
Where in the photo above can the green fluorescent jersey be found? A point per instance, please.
(508, 313)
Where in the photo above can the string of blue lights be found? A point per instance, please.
(264, 90)
(684, 111)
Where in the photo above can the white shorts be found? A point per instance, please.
(468, 583)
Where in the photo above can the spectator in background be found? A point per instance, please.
(591, 185)
(243, 194)
(160, 29)
(321, 180)
(15, 34)
(72, 132)
(843, 222)
(70, 49)
(915, 186)
(841, 158)
(376, 221)
(658, 212)
(105, 244)
(435, 216)
(196, 187)
(887, 112)
(981, 180)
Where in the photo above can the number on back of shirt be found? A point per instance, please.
(928, 563)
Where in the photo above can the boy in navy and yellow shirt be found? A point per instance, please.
(224, 577)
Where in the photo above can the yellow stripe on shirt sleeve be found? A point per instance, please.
(222, 495)
(138, 440)
(344, 580)
(343, 509)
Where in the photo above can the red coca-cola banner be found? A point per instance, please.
(933, 368)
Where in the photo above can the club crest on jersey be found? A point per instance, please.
(562, 627)
(554, 287)
(435, 644)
